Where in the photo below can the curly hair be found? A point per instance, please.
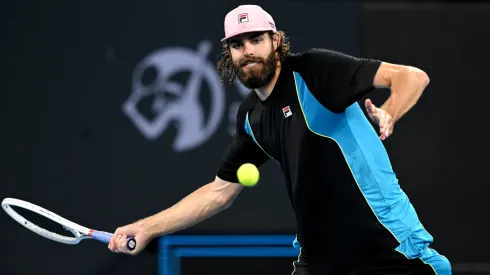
(225, 67)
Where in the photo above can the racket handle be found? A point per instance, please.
(105, 237)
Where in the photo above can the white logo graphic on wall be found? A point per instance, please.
(176, 101)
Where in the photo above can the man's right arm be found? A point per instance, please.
(213, 197)
(201, 204)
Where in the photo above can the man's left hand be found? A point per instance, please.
(380, 117)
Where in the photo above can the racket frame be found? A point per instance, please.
(79, 232)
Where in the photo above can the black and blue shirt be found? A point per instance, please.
(349, 207)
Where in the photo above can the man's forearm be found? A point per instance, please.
(406, 88)
(196, 207)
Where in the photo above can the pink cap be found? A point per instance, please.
(247, 18)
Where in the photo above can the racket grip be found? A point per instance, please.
(105, 237)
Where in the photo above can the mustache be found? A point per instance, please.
(251, 60)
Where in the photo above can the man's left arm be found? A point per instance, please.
(338, 80)
(406, 83)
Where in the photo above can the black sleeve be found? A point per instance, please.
(242, 149)
(337, 80)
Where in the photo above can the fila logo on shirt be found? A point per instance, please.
(243, 17)
(287, 111)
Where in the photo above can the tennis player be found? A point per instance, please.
(352, 216)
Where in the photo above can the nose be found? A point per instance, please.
(247, 49)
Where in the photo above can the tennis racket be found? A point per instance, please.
(79, 232)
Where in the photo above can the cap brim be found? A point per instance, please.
(247, 31)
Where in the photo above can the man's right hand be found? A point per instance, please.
(137, 231)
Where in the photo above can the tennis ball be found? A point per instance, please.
(248, 174)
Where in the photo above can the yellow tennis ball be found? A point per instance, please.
(248, 174)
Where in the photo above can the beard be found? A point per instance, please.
(258, 75)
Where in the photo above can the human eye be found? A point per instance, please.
(256, 40)
(235, 45)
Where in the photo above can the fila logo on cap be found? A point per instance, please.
(243, 17)
(287, 111)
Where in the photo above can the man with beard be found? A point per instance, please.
(352, 216)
